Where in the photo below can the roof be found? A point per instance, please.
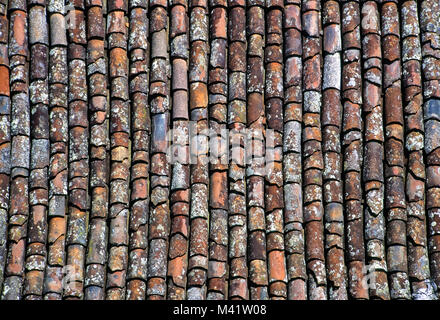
(196, 149)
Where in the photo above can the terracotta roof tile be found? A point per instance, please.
(5, 142)
(314, 173)
(373, 174)
(429, 17)
(14, 271)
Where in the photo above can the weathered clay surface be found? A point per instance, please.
(316, 172)
(96, 258)
(373, 173)
(236, 120)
